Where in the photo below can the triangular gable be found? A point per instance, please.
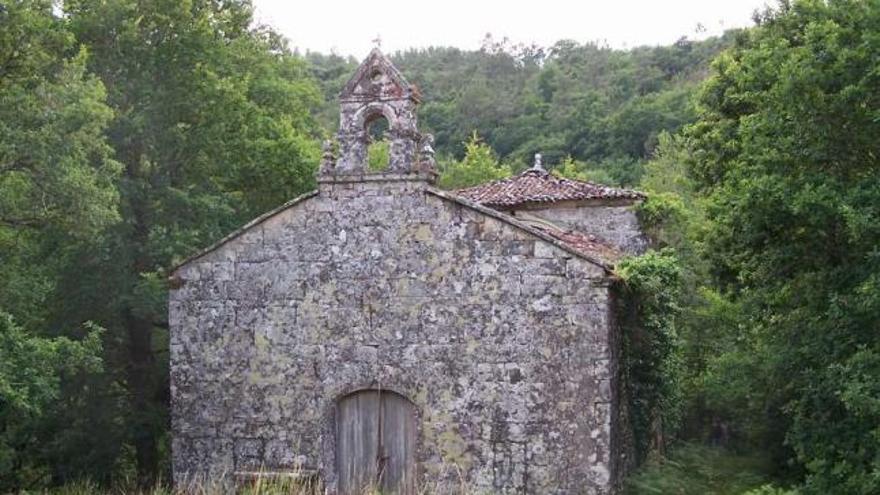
(539, 233)
(243, 230)
(377, 77)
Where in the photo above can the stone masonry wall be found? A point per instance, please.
(501, 340)
(616, 224)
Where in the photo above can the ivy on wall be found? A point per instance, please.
(648, 305)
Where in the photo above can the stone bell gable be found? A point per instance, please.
(379, 90)
(381, 332)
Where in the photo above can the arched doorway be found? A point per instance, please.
(375, 443)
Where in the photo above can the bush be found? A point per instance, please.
(771, 490)
(32, 372)
(692, 469)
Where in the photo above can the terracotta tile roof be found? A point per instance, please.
(586, 244)
(536, 185)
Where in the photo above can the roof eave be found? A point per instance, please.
(503, 217)
(241, 230)
(561, 203)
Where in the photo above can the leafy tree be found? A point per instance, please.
(32, 370)
(212, 125)
(57, 190)
(133, 133)
(379, 149)
(587, 101)
(724, 391)
(55, 166)
(785, 151)
(478, 165)
(667, 171)
(573, 169)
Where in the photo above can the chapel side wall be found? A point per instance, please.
(502, 342)
(616, 224)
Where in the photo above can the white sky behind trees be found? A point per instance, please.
(348, 27)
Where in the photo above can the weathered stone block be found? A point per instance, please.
(500, 341)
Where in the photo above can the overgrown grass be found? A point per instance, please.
(699, 470)
(260, 486)
(689, 470)
(90, 488)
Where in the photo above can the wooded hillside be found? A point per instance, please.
(601, 107)
(133, 133)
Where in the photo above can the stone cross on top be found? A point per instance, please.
(378, 91)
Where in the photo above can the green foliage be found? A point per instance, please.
(662, 217)
(32, 370)
(710, 325)
(209, 121)
(673, 215)
(598, 105)
(58, 188)
(213, 125)
(479, 165)
(667, 171)
(786, 155)
(692, 469)
(573, 169)
(135, 132)
(650, 291)
(378, 154)
(771, 490)
(55, 166)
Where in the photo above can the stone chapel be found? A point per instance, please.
(382, 332)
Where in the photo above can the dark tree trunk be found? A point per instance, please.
(139, 327)
(140, 383)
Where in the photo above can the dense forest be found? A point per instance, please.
(133, 133)
(601, 108)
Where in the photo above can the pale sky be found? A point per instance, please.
(348, 27)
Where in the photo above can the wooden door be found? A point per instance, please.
(375, 443)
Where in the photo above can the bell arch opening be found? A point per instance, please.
(376, 443)
(378, 142)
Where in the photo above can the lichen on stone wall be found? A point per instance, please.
(500, 336)
(506, 353)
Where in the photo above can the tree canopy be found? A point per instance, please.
(133, 133)
(785, 152)
(55, 164)
(589, 102)
(479, 165)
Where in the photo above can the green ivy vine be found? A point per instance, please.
(648, 305)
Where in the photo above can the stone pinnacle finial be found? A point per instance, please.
(377, 42)
(328, 158)
(426, 153)
(537, 165)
